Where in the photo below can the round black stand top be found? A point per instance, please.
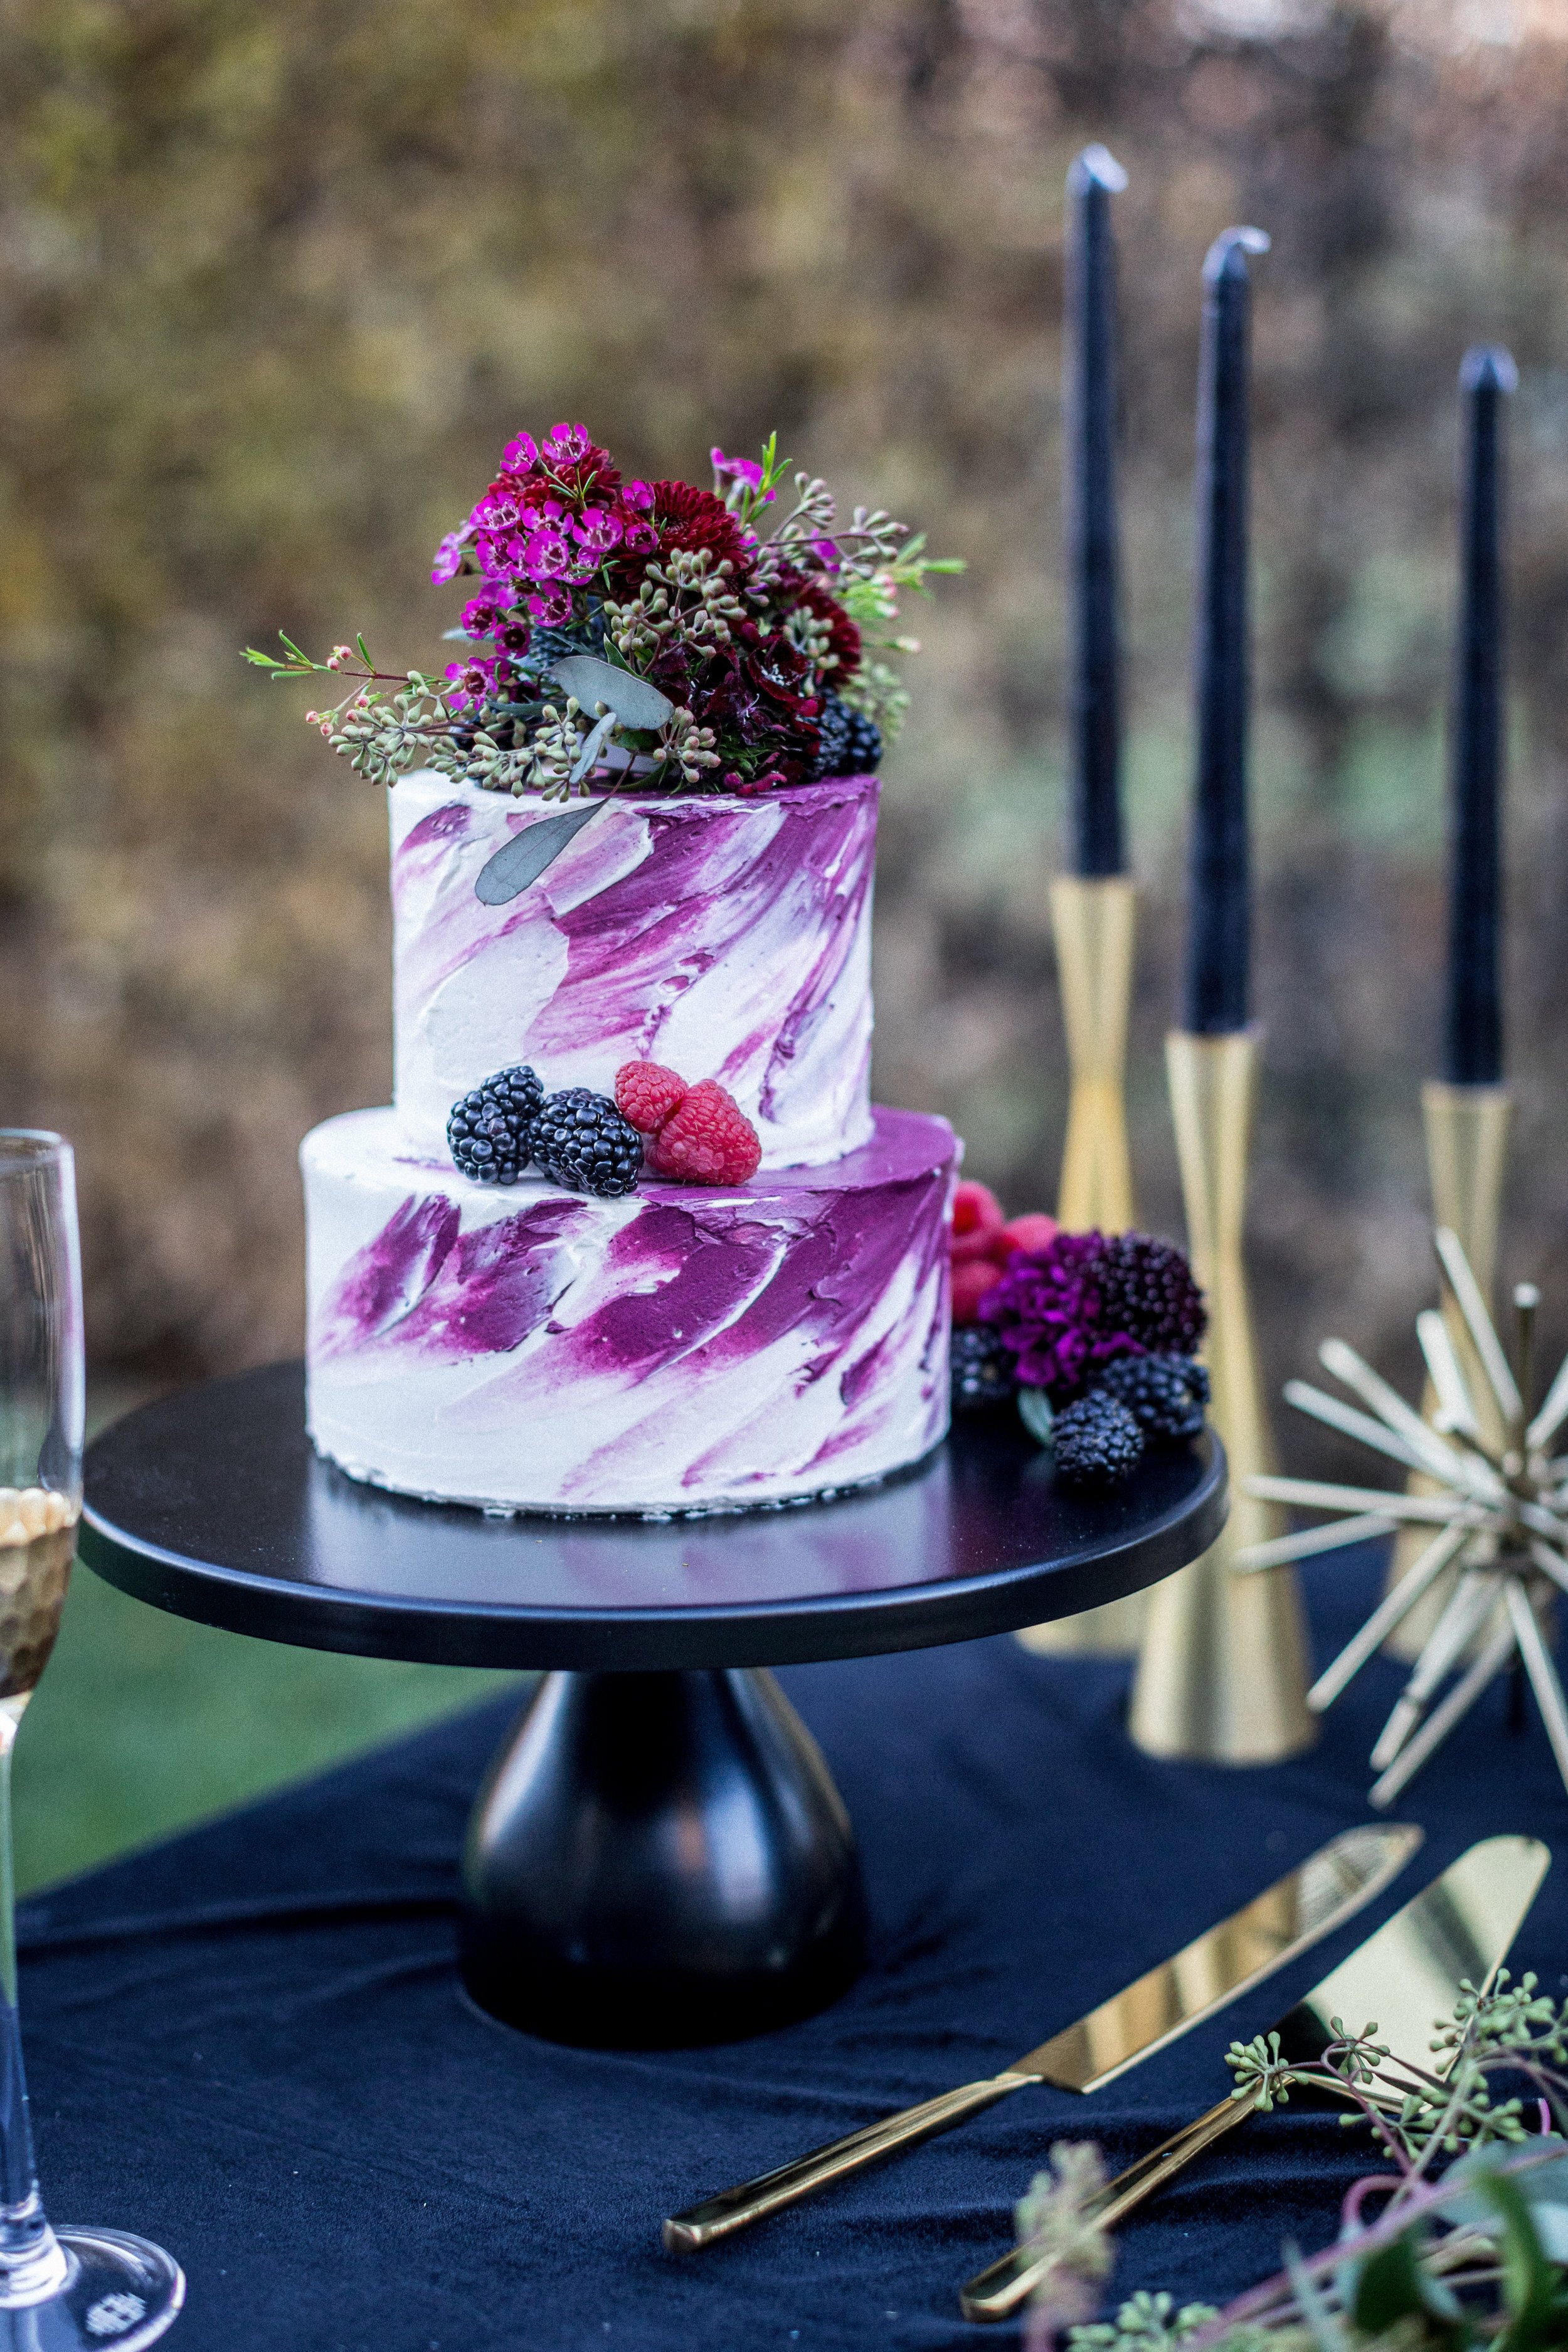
(214, 1505)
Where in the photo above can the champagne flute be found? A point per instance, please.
(65, 2290)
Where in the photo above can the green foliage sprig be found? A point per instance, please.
(1476, 2257)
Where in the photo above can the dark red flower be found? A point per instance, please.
(844, 637)
(685, 516)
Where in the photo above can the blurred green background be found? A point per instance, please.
(275, 286)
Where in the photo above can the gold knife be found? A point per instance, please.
(1404, 1978)
(1277, 1925)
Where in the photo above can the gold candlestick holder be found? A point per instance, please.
(1466, 1150)
(1222, 1669)
(1094, 917)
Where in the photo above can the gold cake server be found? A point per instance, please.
(1403, 1979)
(1287, 1917)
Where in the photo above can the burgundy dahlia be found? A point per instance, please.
(1049, 1312)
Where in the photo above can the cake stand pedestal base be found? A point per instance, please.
(660, 1859)
(659, 1856)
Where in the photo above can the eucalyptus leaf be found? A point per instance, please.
(524, 858)
(632, 699)
(1035, 1412)
(1544, 2189)
(593, 745)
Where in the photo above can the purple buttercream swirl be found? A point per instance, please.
(422, 1285)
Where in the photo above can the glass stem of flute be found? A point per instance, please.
(23, 2228)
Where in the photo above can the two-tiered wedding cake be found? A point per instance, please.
(760, 1311)
(679, 1346)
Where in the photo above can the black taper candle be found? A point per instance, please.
(1219, 924)
(1090, 401)
(1472, 1043)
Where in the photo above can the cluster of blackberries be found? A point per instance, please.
(576, 1138)
(852, 744)
(981, 1369)
(1137, 1400)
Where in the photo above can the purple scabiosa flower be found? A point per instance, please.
(1047, 1309)
(521, 456)
(551, 607)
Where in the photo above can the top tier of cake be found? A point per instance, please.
(729, 938)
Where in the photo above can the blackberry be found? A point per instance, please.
(1098, 1442)
(1146, 1289)
(1164, 1394)
(850, 746)
(581, 1141)
(981, 1369)
(486, 1132)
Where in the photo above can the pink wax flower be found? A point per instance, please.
(473, 679)
(546, 554)
(449, 558)
(496, 511)
(481, 617)
(521, 456)
(737, 469)
(500, 554)
(638, 494)
(597, 530)
(639, 537)
(551, 607)
(566, 443)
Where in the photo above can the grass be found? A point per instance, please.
(144, 1723)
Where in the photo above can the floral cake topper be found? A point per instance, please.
(729, 639)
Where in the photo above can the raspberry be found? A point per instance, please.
(646, 1093)
(1033, 1231)
(971, 1278)
(708, 1140)
(976, 1222)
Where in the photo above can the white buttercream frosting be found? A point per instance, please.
(729, 938)
(680, 1348)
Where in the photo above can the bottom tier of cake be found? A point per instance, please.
(678, 1349)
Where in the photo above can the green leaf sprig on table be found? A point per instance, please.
(1469, 2256)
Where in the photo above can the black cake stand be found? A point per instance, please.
(658, 1855)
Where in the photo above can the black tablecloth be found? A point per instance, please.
(250, 2042)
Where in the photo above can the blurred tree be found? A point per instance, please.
(277, 284)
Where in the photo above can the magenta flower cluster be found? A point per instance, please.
(555, 514)
(1049, 1311)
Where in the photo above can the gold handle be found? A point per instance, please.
(996, 2292)
(736, 2209)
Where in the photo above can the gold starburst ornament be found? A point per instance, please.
(1500, 1521)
